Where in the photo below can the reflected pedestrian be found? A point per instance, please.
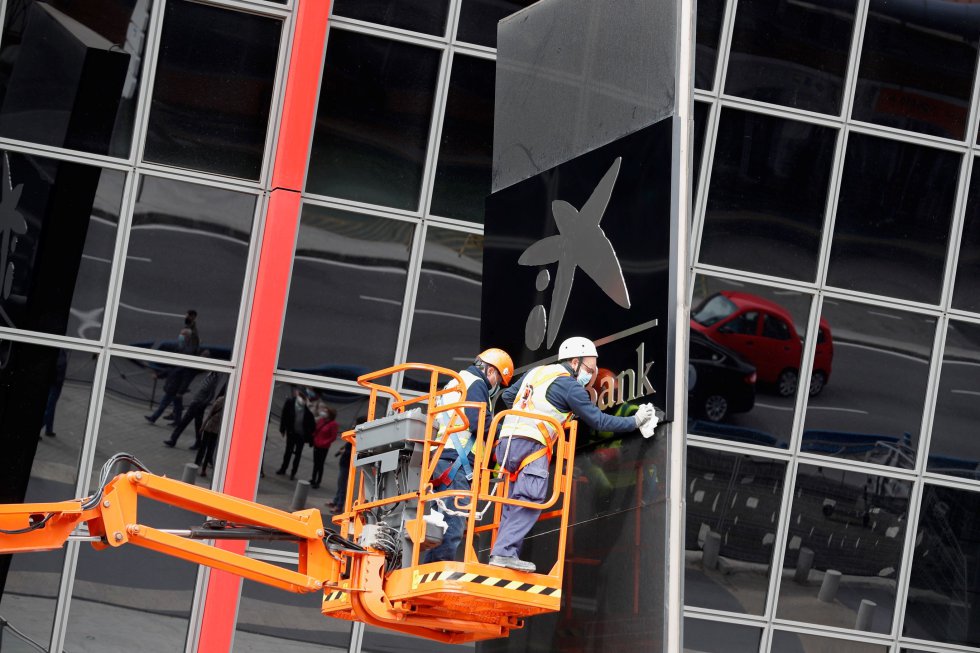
(296, 424)
(323, 437)
(195, 412)
(178, 380)
(191, 343)
(343, 473)
(209, 434)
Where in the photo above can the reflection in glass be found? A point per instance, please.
(188, 248)
(57, 240)
(787, 642)
(745, 356)
(428, 16)
(45, 391)
(733, 506)
(944, 598)
(270, 619)
(844, 547)
(954, 448)
(893, 218)
(70, 73)
(371, 147)
(704, 636)
(707, 35)
(446, 324)
(213, 89)
(378, 640)
(465, 153)
(791, 53)
(966, 286)
(767, 195)
(701, 111)
(478, 19)
(348, 270)
(872, 411)
(917, 67)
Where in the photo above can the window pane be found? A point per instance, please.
(710, 14)
(704, 636)
(466, 152)
(742, 381)
(70, 73)
(844, 547)
(57, 222)
(966, 289)
(478, 19)
(917, 68)
(45, 390)
(944, 598)
(791, 53)
(954, 448)
(893, 218)
(427, 16)
(188, 248)
(733, 506)
(269, 617)
(701, 112)
(785, 642)
(213, 89)
(446, 324)
(768, 194)
(871, 409)
(371, 147)
(348, 270)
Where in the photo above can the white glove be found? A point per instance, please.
(643, 414)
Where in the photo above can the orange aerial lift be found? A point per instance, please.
(368, 567)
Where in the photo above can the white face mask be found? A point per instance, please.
(322, 413)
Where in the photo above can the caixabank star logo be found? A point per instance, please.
(583, 249)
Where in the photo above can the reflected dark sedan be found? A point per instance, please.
(719, 382)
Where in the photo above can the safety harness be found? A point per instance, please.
(526, 402)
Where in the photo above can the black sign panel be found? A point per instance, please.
(583, 249)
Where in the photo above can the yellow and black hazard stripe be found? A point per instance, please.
(334, 596)
(489, 581)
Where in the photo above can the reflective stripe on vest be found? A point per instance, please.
(532, 397)
(444, 419)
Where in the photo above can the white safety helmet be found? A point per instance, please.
(576, 347)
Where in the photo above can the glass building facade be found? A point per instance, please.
(155, 183)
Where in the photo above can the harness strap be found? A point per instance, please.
(462, 462)
(544, 451)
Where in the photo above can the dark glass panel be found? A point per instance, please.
(744, 360)
(768, 194)
(917, 67)
(378, 640)
(877, 365)
(446, 324)
(966, 289)
(463, 172)
(893, 218)
(954, 448)
(943, 601)
(703, 636)
(478, 19)
(733, 506)
(213, 89)
(710, 14)
(349, 271)
(787, 642)
(371, 146)
(701, 112)
(70, 73)
(57, 242)
(844, 547)
(791, 53)
(188, 248)
(45, 390)
(428, 16)
(268, 618)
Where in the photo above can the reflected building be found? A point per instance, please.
(310, 178)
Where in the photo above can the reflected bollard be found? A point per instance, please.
(830, 585)
(865, 614)
(189, 474)
(712, 545)
(804, 562)
(299, 496)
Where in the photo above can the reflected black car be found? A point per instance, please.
(719, 383)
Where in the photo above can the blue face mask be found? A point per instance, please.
(584, 377)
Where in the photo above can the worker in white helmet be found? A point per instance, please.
(524, 446)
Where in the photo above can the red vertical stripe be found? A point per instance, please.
(268, 306)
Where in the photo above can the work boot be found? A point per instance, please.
(512, 562)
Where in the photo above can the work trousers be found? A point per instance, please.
(531, 485)
(456, 525)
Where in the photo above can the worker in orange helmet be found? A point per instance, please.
(484, 379)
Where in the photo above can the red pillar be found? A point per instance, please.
(268, 307)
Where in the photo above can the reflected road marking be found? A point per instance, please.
(842, 410)
(966, 392)
(761, 405)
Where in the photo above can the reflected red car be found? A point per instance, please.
(762, 332)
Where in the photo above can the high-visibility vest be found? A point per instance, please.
(449, 418)
(532, 398)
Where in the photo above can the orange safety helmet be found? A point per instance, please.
(501, 360)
